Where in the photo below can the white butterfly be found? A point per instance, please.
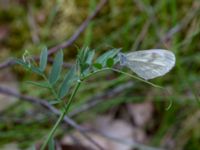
(148, 64)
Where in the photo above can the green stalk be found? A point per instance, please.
(125, 73)
(135, 77)
(66, 108)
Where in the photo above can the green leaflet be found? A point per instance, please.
(57, 67)
(104, 57)
(110, 62)
(90, 57)
(43, 59)
(28, 66)
(66, 84)
(98, 66)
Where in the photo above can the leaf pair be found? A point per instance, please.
(57, 65)
(56, 71)
(29, 66)
(56, 68)
(107, 59)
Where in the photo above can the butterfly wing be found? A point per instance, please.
(150, 64)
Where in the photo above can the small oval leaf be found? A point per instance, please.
(109, 54)
(97, 66)
(90, 57)
(110, 62)
(57, 66)
(28, 66)
(43, 59)
(65, 86)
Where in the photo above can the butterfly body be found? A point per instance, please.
(148, 64)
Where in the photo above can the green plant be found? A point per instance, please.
(84, 68)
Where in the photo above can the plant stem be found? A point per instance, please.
(135, 77)
(125, 73)
(66, 107)
(95, 72)
(152, 84)
(65, 110)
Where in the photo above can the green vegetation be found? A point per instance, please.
(129, 25)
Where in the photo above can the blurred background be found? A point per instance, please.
(130, 112)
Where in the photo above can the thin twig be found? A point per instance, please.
(72, 123)
(44, 103)
(65, 64)
(150, 12)
(7, 63)
(175, 29)
(133, 144)
(99, 98)
(79, 30)
(141, 36)
(70, 41)
(181, 25)
(32, 25)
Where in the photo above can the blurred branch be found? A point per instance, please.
(133, 144)
(44, 103)
(99, 98)
(70, 41)
(72, 123)
(32, 25)
(183, 23)
(65, 64)
(178, 27)
(151, 14)
(141, 36)
(79, 30)
(9, 62)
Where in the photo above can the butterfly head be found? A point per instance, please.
(122, 59)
